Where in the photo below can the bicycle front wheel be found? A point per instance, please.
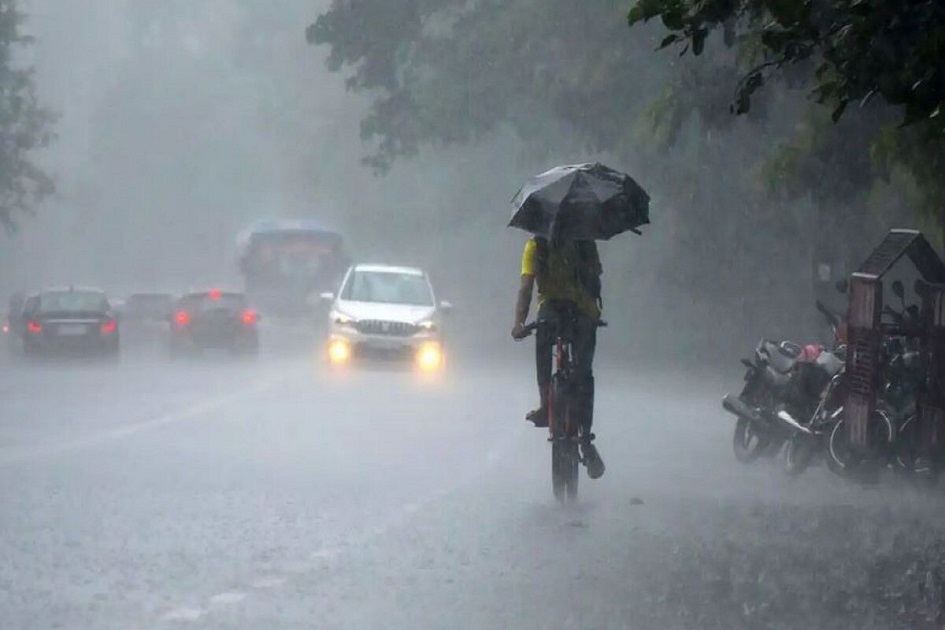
(565, 459)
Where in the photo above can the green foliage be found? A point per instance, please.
(446, 72)
(845, 52)
(24, 125)
(570, 80)
(890, 48)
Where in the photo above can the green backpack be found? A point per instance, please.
(587, 276)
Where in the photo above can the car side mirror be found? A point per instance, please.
(328, 296)
(446, 306)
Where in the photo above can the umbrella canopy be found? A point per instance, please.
(580, 202)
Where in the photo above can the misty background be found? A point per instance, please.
(180, 122)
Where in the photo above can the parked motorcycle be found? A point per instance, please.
(809, 434)
(783, 382)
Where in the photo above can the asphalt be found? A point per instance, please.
(221, 493)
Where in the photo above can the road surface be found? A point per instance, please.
(216, 494)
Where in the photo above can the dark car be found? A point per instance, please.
(68, 320)
(9, 321)
(214, 320)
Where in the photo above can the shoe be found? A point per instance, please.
(538, 416)
(592, 461)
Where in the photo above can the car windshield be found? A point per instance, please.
(388, 287)
(73, 301)
(202, 302)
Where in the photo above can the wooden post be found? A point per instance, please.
(866, 306)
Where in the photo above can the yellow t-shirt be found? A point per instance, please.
(560, 282)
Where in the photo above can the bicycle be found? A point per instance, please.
(567, 435)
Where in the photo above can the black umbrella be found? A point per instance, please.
(580, 202)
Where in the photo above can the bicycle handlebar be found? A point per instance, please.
(531, 327)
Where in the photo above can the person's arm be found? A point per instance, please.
(524, 299)
(522, 305)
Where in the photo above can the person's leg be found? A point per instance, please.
(544, 341)
(584, 347)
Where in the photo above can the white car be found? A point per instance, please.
(389, 313)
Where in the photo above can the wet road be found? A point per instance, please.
(216, 494)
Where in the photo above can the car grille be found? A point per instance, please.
(381, 327)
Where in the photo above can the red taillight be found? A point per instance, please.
(214, 294)
(249, 318)
(34, 327)
(110, 326)
(181, 318)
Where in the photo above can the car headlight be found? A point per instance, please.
(341, 319)
(428, 325)
(339, 351)
(429, 357)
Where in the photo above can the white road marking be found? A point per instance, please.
(326, 553)
(268, 582)
(184, 614)
(19, 456)
(222, 599)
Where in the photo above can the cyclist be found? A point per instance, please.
(568, 278)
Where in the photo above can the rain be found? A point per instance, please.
(259, 266)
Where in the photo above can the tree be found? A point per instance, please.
(445, 72)
(24, 125)
(845, 52)
(571, 82)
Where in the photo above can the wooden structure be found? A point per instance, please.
(866, 329)
(932, 402)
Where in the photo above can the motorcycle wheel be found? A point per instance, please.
(843, 461)
(799, 453)
(748, 442)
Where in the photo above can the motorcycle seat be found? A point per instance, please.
(782, 357)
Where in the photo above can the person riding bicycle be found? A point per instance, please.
(568, 278)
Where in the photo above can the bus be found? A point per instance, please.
(286, 263)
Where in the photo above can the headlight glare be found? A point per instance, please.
(429, 357)
(339, 351)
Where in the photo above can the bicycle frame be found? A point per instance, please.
(564, 370)
(565, 454)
